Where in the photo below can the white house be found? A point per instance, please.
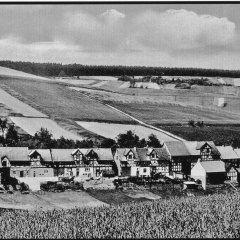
(209, 172)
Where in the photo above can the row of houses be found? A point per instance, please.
(175, 157)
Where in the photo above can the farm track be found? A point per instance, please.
(135, 119)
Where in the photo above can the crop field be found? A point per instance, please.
(111, 130)
(33, 125)
(215, 216)
(18, 106)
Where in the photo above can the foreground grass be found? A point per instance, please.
(207, 216)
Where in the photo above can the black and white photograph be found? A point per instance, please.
(119, 120)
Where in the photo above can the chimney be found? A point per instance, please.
(135, 149)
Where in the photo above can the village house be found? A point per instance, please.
(231, 159)
(82, 163)
(209, 172)
(15, 161)
(141, 161)
(185, 154)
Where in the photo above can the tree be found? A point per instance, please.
(12, 137)
(3, 126)
(108, 143)
(191, 123)
(153, 141)
(43, 138)
(200, 123)
(128, 139)
(62, 74)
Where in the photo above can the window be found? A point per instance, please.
(130, 156)
(87, 169)
(144, 170)
(177, 167)
(14, 172)
(45, 171)
(153, 155)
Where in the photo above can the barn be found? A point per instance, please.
(209, 172)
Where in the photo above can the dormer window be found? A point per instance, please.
(153, 155)
(130, 156)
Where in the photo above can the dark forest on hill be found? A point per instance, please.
(54, 69)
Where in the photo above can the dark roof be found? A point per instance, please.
(162, 153)
(177, 148)
(14, 153)
(142, 154)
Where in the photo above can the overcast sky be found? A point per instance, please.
(182, 35)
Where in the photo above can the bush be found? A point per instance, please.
(191, 123)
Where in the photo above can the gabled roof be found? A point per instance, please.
(227, 152)
(237, 151)
(44, 153)
(192, 147)
(213, 166)
(61, 155)
(162, 154)
(104, 154)
(142, 154)
(122, 152)
(14, 153)
(211, 144)
(177, 148)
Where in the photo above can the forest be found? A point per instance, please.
(58, 69)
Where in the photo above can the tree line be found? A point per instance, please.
(43, 139)
(54, 69)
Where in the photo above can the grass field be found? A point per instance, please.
(112, 130)
(18, 106)
(215, 216)
(55, 100)
(33, 125)
(19, 74)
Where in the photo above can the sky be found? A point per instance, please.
(166, 35)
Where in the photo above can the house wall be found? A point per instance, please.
(143, 171)
(198, 172)
(20, 171)
(41, 172)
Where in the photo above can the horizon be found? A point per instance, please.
(173, 35)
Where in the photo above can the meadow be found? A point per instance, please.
(33, 125)
(55, 100)
(112, 130)
(215, 216)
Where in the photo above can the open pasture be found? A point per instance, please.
(111, 130)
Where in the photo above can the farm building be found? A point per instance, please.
(212, 172)
(84, 163)
(231, 159)
(184, 155)
(233, 174)
(141, 161)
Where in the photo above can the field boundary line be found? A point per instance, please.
(133, 118)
